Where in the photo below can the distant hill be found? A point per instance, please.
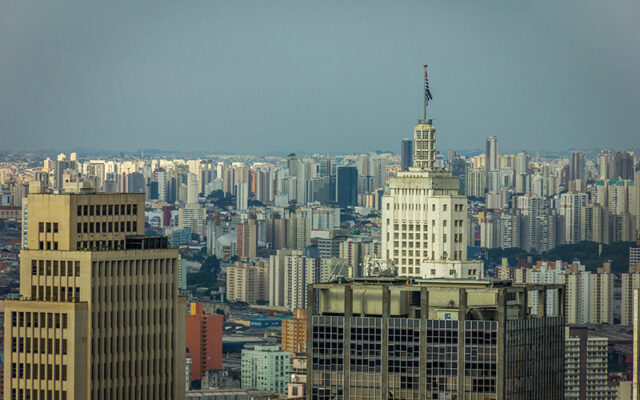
(585, 252)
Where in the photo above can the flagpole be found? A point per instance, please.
(424, 119)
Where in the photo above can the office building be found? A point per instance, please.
(347, 186)
(586, 367)
(424, 217)
(248, 282)
(204, 340)
(294, 332)
(99, 315)
(406, 154)
(434, 339)
(265, 367)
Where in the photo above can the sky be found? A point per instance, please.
(272, 77)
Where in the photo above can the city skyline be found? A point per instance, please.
(129, 83)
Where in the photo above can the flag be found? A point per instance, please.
(427, 92)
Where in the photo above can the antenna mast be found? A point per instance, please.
(426, 100)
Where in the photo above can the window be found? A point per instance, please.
(79, 211)
(41, 227)
(48, 225)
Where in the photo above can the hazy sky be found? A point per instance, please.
(323, 76)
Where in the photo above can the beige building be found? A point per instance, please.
(589, 296)
(248, 282)
(601, 296)
(98, 304)
(193, 216)
(424, 218)
(636, 344)
(630, 281)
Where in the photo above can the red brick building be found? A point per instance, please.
(204, 340)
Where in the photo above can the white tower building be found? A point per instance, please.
(424, 217)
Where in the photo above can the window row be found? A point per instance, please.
(39, 319)
(39, 345)
(50, 293)
(106, 209)
(101, 245)
(106, 227)
(130, 318)
(48, 245)
(115, 293)
(48, 227)
(55, 268)
(35, 394)
(134, 267)
(130, 344)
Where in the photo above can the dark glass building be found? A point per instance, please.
(406, 154)
(347, 186)
(392, 338)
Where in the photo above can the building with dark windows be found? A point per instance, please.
(347, 186)
(99, 316)
(379, 338)
(406, 154)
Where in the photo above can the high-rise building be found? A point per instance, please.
(589, 295)
(265, 367)
(634, 255)
(294, 332)
(630, 282)
(99, 315)
(204, 340)
(577, 168)
(406, 154)
(491, 154)
(247, 239)
(586, 366)
(424, 217)
(624, 165)
(636, 344)
(242, 196)
(571, 208)
(347, 186)
(389, 338)
(194, 217)
(248, 282)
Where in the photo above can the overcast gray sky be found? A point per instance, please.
(325, 76)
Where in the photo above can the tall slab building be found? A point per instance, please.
(99, 315)
(424, 216)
